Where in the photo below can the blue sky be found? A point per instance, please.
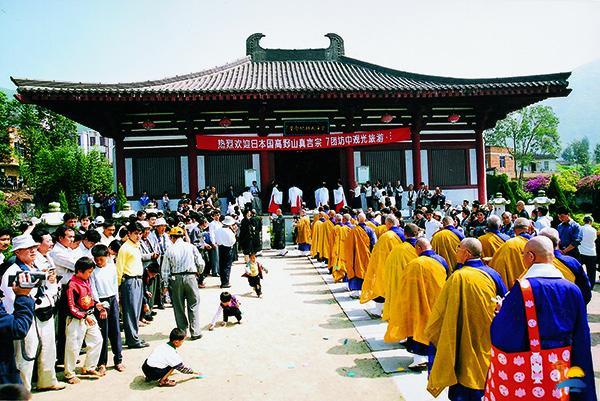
(113, 41)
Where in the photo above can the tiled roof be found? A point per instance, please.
(268, 71)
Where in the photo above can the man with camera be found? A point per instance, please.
(42, 330)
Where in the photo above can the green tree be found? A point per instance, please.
(578, 153)
(526, 132)
(555, 192)
(597, 153)
(121, 198)
(7, 120)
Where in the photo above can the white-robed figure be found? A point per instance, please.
(295, 199)
(322, 196)
(339, 198)
(276, 199)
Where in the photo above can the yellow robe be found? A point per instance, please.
(393, 269)
(372, 225)
(327, 240)
(317, 237)
(358, 253)
(339, 251)
(445, 243)
(419, 286)
(459, 327)
(374, 284)
(304, 231)
(380, 230)
(490, 242)
(508, 260)
(566, 272)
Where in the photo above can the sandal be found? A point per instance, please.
(167, 383)
(73, 380)
(120, 367)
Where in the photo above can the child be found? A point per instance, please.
(150, 272)
(164, 360)
(254, 273)
(81, 323)
(106, 291)
(229, 306)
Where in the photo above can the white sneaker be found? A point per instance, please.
(378, 310)
(419, 362)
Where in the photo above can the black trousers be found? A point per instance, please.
(255, 283)
(61, 326)
(231, 312)
(590, 263)
(225, 262)
(153, 373)
(111, 331)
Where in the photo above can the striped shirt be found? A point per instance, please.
(182, 257)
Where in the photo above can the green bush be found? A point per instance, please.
(121, 198)
(555, 192)
(9, 211)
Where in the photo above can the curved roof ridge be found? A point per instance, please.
(136, 84)
(560, 76)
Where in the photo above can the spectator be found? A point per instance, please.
(570, 233)
(587, 248)
(225, 239)
(144, 200)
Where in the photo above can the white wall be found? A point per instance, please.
(424, 167)
(457, 195)
(409, 167)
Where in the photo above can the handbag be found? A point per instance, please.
(528, 375)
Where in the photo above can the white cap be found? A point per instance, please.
(144, 224)
(228, 221)
(23, 242)
(99, 220)
(160, 222)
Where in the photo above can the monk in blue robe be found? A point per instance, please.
(561, 315)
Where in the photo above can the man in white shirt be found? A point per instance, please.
(213, 253)
(433, 224)
(356, 200)
(543, 220)
(322, 196)
(339, 198)
(90, 238)
(107, 234)
(587, 248)
(225, 239)
(295, 199)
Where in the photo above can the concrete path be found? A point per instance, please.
(295, 343)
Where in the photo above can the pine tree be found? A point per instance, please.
(555, 192)
(121, 198)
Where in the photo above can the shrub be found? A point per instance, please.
(537, 183)
(555, 192)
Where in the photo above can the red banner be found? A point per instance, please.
(305, 142)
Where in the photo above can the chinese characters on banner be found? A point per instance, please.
(306, 142)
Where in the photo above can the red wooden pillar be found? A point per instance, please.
(192, 165)
(415, 135)
(350, 167)
(120, 162)
(480, 164)
(265, 170)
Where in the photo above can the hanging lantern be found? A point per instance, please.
(148, 125)
(225, 122)
(453, 118)
(386, 118)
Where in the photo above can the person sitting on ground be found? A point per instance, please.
(254, 273)
(164, 359)
(14, 392)
(229, 306)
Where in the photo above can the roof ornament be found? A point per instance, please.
(258, 53)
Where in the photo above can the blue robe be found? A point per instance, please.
(412, 241)
(399, 232)
(502, 236)
(478, 264)
(13, 327)
(370, 233)
(431, 253)
(581, 279)
(562, 321)
(456, 232)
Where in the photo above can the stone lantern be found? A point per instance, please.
(499, 203)
(54, 217)
(542, 200)
(125, 212)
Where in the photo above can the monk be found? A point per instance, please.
(304, 236)
(493, 239)
(328, 236)
(382, 228)
(393, 268)
(373, 288)
(419, 285)
(570, 267)
(459, 326)
(446, 240)
(371, 222)
(508, 261)
(359, 244)
(338, 258)
(316, 251)
(561, 321)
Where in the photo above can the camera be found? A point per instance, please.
(37, 280)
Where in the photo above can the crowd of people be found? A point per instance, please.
(457, 285)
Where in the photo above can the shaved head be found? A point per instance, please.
(494, 222)
(411, 230)
(362, 218)
(538, 250)
(422, 245)
(522, 223)
(347, 217)
(447, 221)
(551, 233)
(391, 220)
(473, 245)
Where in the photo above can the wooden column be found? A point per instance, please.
(480, 164)
(415, 136)
(120, 163)
(192, 165)
(350, 167)
(265, 170)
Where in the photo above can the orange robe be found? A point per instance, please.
(304, 231)
(328, 236)
(490, 243)
(317, 237)
(393, 269)
(338, 265)
(508, 260)
(445, 243)
(374, 284)
(358, 253)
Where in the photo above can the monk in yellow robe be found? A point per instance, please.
(328, 235)
(380, 230)
(459, 326)
(317, 236)
(493, 239)
(445, 241)
(508, 260)
(359, 245)
(304, 236)
(371, 223)
(338, 270)
(420, 284)
(393, 269)
(374, 285)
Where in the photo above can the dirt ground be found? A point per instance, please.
(294, 344)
